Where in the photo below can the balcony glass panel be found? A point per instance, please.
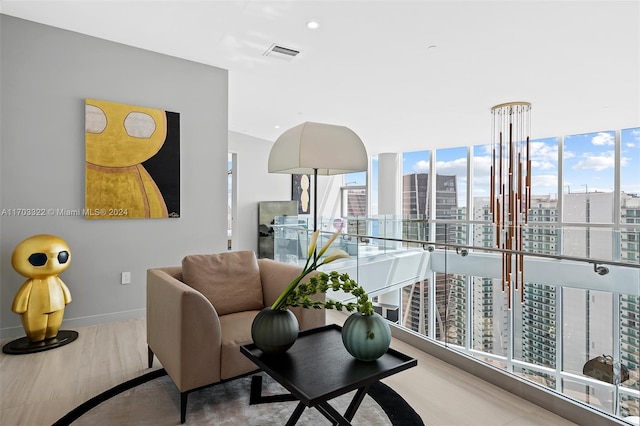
(451, 296)
(629, 245)
(591, 242)
(598, 397)
(417, 229)
(543, 379)
(588, 326)
(629, 406)
(572, 309)
(490, 317)
(534, 322)
(415, 301)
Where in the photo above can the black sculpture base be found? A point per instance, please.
(25, 346)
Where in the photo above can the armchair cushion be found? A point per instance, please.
(231, 280)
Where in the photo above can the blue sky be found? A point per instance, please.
(588, 164)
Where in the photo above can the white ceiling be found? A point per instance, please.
(370, 65)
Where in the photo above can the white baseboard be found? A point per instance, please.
(71, 323)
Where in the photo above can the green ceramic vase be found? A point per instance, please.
(274, 332)
(366, 337)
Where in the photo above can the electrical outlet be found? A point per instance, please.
(125, 278)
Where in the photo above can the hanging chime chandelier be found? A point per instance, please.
(511, 188)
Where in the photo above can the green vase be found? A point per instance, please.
(366, 337)
(274, 332)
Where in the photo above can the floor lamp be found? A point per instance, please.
(318, 149)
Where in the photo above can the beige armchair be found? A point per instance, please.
(200, 313)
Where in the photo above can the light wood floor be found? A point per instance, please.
(37, 389)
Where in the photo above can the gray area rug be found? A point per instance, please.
(157, 402)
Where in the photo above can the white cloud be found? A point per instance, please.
(486, 148)
(603, 139)
(544, 152)
(456, 167)
(631, 188)
(540, 151)
(421, 166)
(481, 172)
(481, 166)
(598, 162)
(542, 165)
(544, 181)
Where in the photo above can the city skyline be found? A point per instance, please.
(589, 166)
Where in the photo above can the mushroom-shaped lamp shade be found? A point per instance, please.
(318, 149)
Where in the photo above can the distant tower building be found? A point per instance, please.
(539, 311)
(536, 319)
(538, 323)
(490, 315)
(416, 207)
(356, 201)
(450, 288)
(630, 305)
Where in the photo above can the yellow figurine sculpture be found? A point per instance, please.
(41, 300)
(119, 138)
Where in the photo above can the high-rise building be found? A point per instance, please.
(355, 201)
(536, 318)
(539, 311)
(450, 289)
(416, 207)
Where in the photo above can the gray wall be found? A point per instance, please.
(46, 73)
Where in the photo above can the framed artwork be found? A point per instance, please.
(132, 167)
(300, 192)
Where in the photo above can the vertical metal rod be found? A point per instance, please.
(315, 200)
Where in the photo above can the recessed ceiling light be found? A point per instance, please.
(312, 25)
(276, 126)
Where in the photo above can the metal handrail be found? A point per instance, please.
(426, 244)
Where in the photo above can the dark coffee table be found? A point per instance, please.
(317, 368)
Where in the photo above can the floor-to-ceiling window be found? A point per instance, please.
(585, 203)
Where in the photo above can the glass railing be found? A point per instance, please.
(574, 306)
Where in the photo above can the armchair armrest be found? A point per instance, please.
(183, 330)
(275, 277)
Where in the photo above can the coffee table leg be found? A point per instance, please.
(331, 414)
(256, 397)
(296, 414)
(355, 403)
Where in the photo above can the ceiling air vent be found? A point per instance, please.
(281, 52)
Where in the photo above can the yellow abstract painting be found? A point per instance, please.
(132, 161)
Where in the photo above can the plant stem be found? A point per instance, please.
(280, 300)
